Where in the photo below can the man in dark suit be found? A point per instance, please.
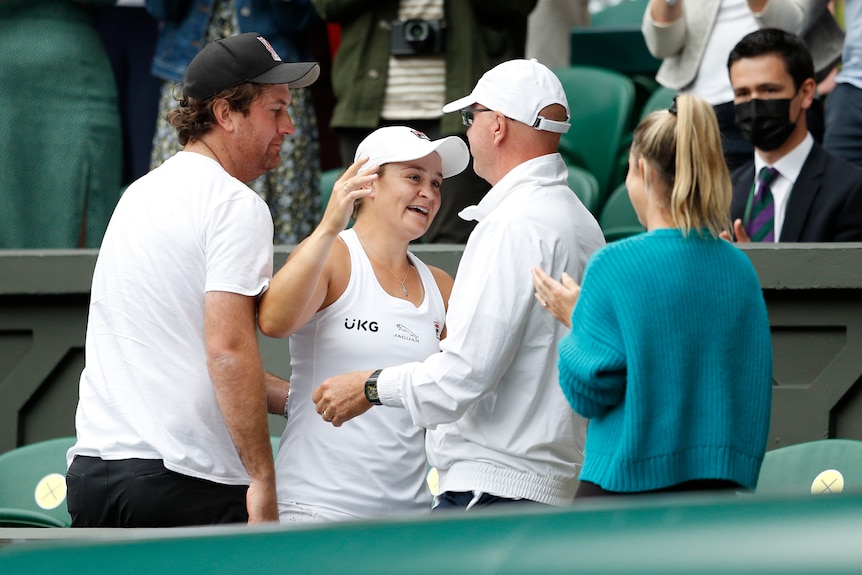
(792, 190)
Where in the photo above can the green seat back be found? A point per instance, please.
(586, 187)
(33, 478)
(614, 40)
(10, 517)
(660, 99)
(824, 466)
(618, 219)
(327, 180)
(625, 13)
(602, 105)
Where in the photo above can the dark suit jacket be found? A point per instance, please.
(825, 204)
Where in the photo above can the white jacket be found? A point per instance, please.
(681, 44)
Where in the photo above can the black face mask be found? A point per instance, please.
(765, 123)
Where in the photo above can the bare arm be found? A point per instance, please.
(277, 390)
(300, 288)
(237, 374)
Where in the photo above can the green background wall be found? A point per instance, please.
(813, 291)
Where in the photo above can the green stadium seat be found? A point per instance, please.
(327, 180)
(602, 105)
(620, 49)
(660, 99)
(816, 467)
(33, 481)
(618, 219)
(625, 13)
(26, 518)
(586, 187)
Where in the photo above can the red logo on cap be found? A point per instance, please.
(269, 47)
(419, 134)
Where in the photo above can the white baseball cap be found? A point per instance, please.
(519, 89)
(402, 144)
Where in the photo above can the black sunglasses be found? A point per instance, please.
(467, 115)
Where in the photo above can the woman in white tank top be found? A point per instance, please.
(358, 299)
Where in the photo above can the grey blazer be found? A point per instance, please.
(681, 44)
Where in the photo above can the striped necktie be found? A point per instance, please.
(760, 220)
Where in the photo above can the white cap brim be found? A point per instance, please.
(460, 104)
(402, 144)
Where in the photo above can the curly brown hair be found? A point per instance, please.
(194, 118)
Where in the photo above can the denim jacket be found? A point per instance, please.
(183, 25)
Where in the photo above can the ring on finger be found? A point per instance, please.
(346, 191)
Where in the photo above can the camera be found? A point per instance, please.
(417, 36)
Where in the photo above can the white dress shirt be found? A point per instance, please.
(498, 421)
(788, 168)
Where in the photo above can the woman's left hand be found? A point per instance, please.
(558, 298)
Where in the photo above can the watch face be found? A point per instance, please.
(371, 391)
(371, 388)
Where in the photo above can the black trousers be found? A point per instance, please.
(143, 493)
(449, 500)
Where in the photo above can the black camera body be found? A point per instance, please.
(417, 37)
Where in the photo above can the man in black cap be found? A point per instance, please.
(171, 421)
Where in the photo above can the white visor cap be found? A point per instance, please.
(402, 144)
(519, 89)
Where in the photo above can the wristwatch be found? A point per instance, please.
(371, 388)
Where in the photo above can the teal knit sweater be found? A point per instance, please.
(670, 358)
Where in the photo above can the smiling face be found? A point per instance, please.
(260, 133)
(408, 193)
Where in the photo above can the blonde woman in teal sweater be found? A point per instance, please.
(670, 354)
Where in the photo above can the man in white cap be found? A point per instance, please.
(171, 422)
(499, 428)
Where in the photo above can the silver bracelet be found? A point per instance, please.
(285, 412)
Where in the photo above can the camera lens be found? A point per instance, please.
(416, 31)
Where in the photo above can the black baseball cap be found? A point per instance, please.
(239, 59)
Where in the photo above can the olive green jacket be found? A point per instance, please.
(479, 35)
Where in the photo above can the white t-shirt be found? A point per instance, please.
(373, 466)
(185, 228)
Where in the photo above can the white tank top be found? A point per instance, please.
(374, 465)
